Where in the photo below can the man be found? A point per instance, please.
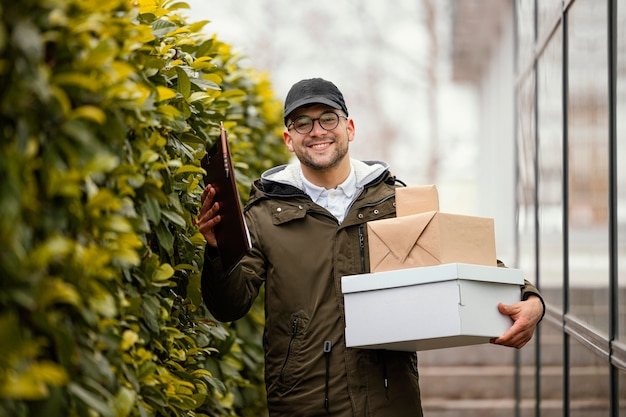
(307, 224)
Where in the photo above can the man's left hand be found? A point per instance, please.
(525, 315)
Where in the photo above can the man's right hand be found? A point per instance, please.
(208, 217)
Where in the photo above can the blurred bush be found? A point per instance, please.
(106, 108)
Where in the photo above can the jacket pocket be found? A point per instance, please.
(286, 377)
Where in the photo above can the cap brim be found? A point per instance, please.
(310, 100)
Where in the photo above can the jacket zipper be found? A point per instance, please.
(294, 331)
(328, 345)
(362, 247)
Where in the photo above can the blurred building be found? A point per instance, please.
(551, 76)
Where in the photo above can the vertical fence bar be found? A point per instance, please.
(566, 338)
(517, 389)
(536, 208)
(613, 237)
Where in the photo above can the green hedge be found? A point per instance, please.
(106, 109)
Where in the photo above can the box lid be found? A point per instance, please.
(429, 274)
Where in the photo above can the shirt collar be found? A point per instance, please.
(348, 187)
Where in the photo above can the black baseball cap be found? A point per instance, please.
(314, 91)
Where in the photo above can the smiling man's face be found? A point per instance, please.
(320, 149)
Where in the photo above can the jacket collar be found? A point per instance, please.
(291, 174)
(285, 181)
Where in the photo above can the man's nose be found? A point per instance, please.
(317, 128)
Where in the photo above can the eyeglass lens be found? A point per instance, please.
(304, 124)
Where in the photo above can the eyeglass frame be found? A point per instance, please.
(293, 123)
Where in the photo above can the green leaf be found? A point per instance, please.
(27, 38)
(174, 218)
(160, 27)
(184, 86)
(153, 210)
(103, 302)
(125, 399)
(92, 400)
(205, 84)
(150, 308)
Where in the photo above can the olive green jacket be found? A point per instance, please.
(300, 252)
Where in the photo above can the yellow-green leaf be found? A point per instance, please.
(54, 290)
(76, 79)
(32, 384)
(189, 168)
(213, 78)
(129, 338)
(169, 110)
(104, 199)
(197, 26)
(233, 93)
(90, 113)
(164, 93)
(164, 272)
(198, 95)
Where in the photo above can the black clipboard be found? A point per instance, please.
(231, 233)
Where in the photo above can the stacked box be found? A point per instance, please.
(424, 238)
(428, 308)
(434, 282)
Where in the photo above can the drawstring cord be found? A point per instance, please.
(385, 379)
(328, 345)
(327, 348)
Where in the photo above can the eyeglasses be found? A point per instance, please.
(304, 124)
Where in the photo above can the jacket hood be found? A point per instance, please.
(364, 171)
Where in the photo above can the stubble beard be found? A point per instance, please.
(307, 158)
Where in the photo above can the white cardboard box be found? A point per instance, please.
(429, 307)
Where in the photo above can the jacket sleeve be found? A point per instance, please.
(230, 296)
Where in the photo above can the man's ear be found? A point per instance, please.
(288, 141)
(350, 129)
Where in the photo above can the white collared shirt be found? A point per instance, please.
(336, 200)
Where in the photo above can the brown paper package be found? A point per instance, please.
(423, 236)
